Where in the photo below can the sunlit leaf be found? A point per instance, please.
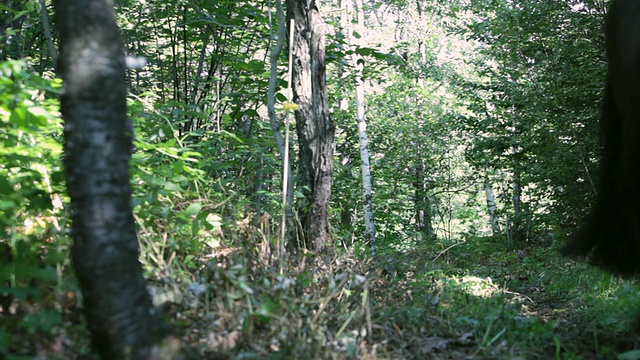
(193, 209)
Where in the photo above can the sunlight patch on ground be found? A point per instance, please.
(473, 285)
(476, 286)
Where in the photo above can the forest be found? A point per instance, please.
(336, 179)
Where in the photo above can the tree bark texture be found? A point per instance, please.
(492, 208)
(314, 127)
(98, 143)
(358, 64)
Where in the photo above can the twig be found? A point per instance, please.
(444, 251)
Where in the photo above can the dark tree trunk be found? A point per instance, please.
(98, 143)
(611, 233)
(424, 220)
(516, 234)
(314, 127)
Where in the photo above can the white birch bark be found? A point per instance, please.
(271, 105)
(358, 64)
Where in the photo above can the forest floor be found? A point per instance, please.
(443, 300)
(468, 300)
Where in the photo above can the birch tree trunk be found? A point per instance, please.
(492, 208)
(315, 130)
(98, 142)
(358, 65)
(273, 119)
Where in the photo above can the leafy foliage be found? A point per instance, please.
(33, 242)
(535, 102)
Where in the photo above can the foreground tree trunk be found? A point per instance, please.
(610, 236)
(98, 143)
(315, 129)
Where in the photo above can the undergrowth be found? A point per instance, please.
(241, 301)
(476, 301)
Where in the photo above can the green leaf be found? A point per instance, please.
(39, 116)
(6, 205)
(179, 178)
(18, 117)
(193, 209)
(172, 186)
(630, 355)
(178, 167)
(281, 97)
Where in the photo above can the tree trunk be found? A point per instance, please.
(314, 127)
(98, 143)
(281, 144)
(516, 229)
(516, 233)
(424, 220)
(610, 236)
(492, 208)
(358, 65)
